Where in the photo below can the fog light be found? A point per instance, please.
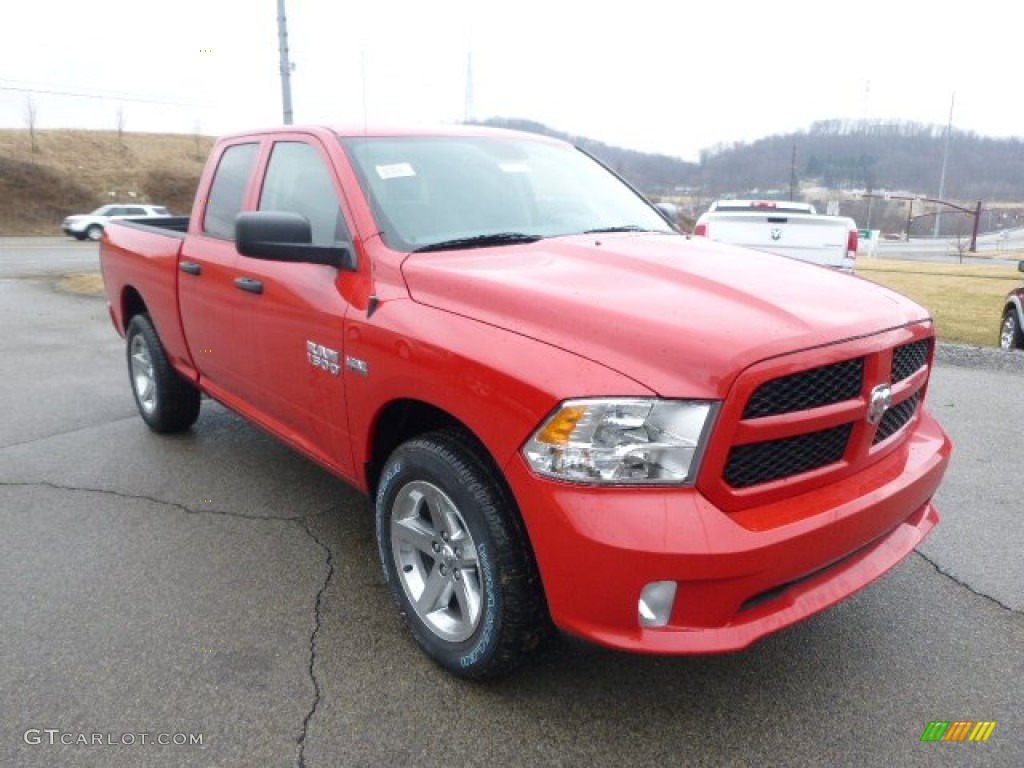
(655, 605)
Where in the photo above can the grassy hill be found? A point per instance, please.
(76, 171)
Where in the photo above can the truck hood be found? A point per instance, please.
(682, 317)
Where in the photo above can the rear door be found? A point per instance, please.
(207, 268)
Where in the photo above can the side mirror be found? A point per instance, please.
(284, 236)
(1020, 266)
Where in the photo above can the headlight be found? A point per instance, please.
(622, 441)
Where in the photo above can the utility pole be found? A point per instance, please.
(945, 159)
(792, 174)
(469, 105)
(286, 67)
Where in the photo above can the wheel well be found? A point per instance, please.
(131, 305)
(403, 420)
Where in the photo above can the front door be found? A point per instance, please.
(291, 315)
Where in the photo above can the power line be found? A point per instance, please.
(107, 97)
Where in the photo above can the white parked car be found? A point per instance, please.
(90, 225)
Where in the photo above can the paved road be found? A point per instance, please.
(215, 584)
(20, 256)
(995, 249)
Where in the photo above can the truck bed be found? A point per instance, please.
(139, 258)
(165, 225)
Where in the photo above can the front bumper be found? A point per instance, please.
(739, 577)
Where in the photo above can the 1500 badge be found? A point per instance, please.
(323, 357)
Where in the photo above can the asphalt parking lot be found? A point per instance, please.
(217, 585)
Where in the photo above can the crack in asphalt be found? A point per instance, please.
(939, 570)
(83, 428)
(314, 637)
(301, 521)
(142, 497)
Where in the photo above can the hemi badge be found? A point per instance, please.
(359, 366)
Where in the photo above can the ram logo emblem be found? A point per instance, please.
(879, 403)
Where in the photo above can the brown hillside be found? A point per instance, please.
(76, 171)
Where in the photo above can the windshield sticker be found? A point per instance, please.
(395, 171)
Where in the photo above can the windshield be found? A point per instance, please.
(433, 193)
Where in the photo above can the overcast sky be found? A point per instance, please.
(666, 76)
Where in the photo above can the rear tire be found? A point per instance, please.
(1010, 335)
(456, 558)
(166, 401)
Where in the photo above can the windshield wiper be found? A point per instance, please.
(623, 228)
(498, 238)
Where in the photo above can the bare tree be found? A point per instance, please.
(31, 118)
(960, 245)
(120, 123)
(197, 134)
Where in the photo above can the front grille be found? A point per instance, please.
(808, 389)
(909, 358)
(775, 459)
(896, 418)
(809, 427)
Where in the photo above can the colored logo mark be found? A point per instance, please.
(958, 730)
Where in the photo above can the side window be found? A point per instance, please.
(135, 211)
(228, 190)
(116, 211)
(298, 181)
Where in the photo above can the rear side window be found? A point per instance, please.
(228, 190)
(299, 181)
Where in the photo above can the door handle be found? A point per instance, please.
(191, 267)
(249, 284)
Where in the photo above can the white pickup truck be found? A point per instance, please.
(787, 228)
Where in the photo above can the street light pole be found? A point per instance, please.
(974, 213)
(286, 67)
(945, 159)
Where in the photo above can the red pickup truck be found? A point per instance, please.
(566, 413)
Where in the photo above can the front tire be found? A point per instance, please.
(456, 558)
(166, 401)
(94, 232)
(1010, 335)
